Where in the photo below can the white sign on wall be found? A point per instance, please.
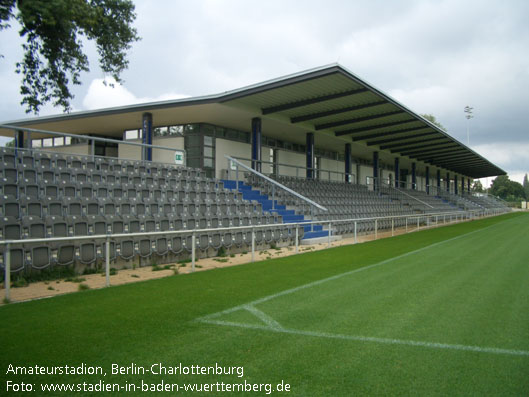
(179, 157)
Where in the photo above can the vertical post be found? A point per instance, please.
(406, 224)
(376, 228)
(397, 172)
(310, 155)
(455, 184)
(414, 176)
(193, 243)
(253, 244)
(448, 182)
(107, 262)
(256, 144)
(237, 176)
(93, 148)
(7, 275)
(438, 181)
(356, 240)
(147, 135)
(273, 196)
(418, 225)
(427, 180)
(347, 163)
(392, 227)
(375, 171)
(297, 238)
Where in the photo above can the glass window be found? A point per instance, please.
(36, 143)
(58, 141)
(208, 162)
(68, 140)
(193, 140)
(208, 141)
(191, 128)
(47, 142)
(208, 151)
(232, 134)
(207, 129)
(193, 151)
(220, 132)
(176, 130)
(160, 131)
(132, 134)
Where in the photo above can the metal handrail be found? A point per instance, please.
(343, 175)
(409, 195)
(88, 138)
(294, 193)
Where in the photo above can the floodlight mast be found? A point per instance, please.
(468, 111)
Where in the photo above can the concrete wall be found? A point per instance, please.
(231, 148)
(130, 152)
(365, 171)
(291, 158)
(166, 156)
(82, 149)
(332, 165)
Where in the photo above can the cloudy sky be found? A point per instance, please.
(433, 56)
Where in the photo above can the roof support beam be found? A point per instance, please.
(381, 134)
(305, 102)
(418, 149)
(446, 149)
(402, 138)
(411, 144)
(357, 120)
(373, 127)
(333, 112)
(443, 154)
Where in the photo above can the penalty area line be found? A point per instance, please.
(368, 339)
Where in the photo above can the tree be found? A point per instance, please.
(508, 190)
(477, 186)
(53, 54)
(431, 118)
(526, 186)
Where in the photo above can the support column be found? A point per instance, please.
(413, 176)
(427, 180)
(19, 139)
(468, 185)
(256, 144)
(147, 136)
(438, 182)
(462, 185)
(397, 172)
(310, 155)
(455, 184)
(448, 182)
(375, 171)
(347, 159)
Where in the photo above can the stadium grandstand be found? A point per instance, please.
(292, 160)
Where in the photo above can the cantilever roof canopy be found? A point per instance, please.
(330, 101)
(333, 101)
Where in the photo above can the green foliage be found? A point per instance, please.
(53, 53)
(506, 189)
(477, 186)
(526, 186)
(431, 118)
(75, 279)
(83, 287)
(221, 252)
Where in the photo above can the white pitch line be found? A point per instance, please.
(387, 341)
(337, 276)
(269, 321)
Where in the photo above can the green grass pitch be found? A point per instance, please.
(439, 312)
